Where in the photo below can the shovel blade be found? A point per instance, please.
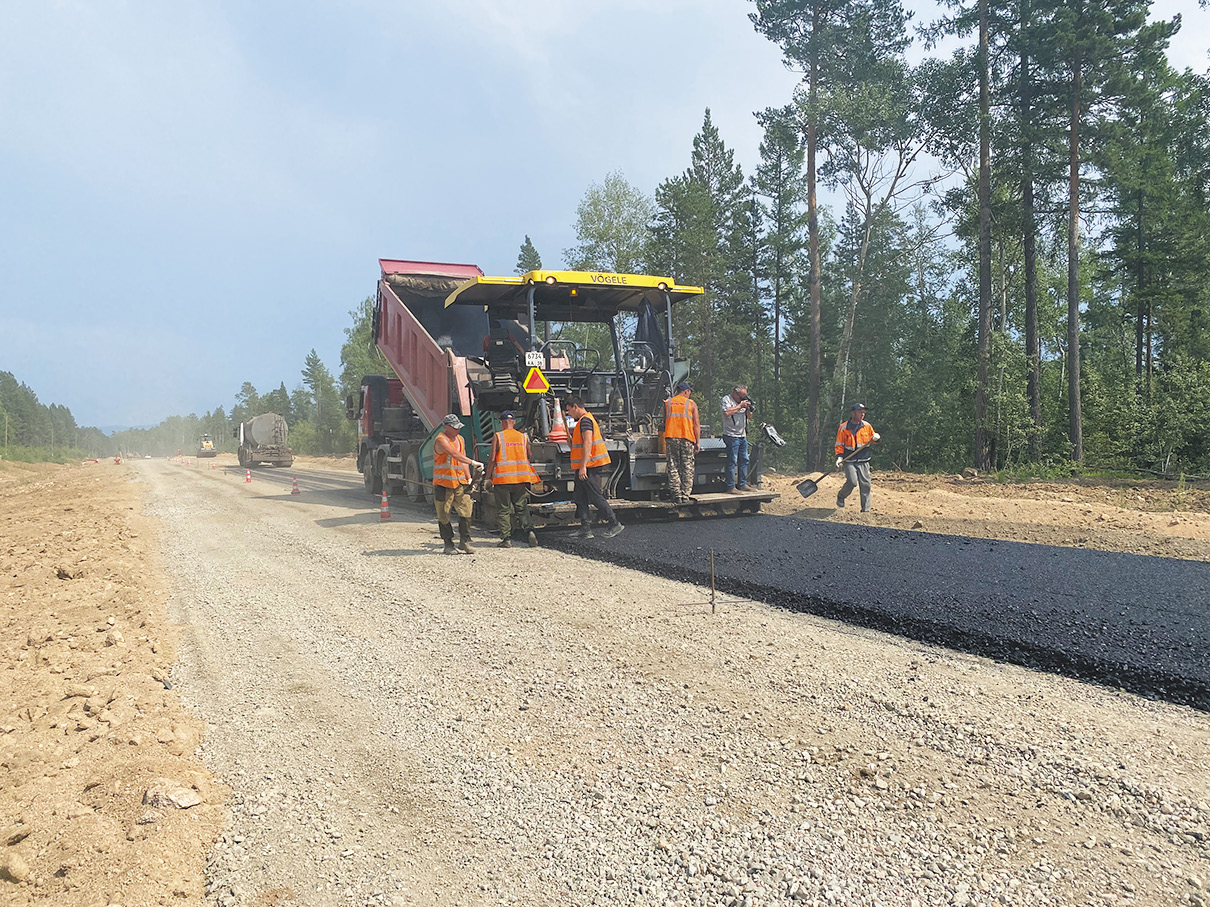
(807, 487)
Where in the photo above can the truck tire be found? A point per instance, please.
(241, 458)
(411, 469)
(371, 477)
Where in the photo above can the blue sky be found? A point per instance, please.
(195, 193)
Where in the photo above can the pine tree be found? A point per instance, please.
(528, 258)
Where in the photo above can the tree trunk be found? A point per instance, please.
(1075, 429)
(982, 455)
(813, 414)
(1140, 305)
(1033, 350)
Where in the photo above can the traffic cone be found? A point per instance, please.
(384, 513)
(295, 490)
(558, 428)
(248, 476)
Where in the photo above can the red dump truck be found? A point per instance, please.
(462, 342)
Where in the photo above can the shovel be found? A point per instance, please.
(808, 487)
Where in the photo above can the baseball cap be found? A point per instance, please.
(452, 420)
(507, 414)
(684, 386)
(856, 406)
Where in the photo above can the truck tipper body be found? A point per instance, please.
(461, 342)
(264, 440)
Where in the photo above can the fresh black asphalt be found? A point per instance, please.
(1139, 623)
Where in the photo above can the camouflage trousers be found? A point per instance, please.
(682, 461)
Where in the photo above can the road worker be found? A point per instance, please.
(682, 440)
(589, 459)
(511, 475)
(452, 484)
(852, 434)
(737, 406)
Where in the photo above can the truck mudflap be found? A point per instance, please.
(563, 513)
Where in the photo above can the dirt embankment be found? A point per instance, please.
(102, 797)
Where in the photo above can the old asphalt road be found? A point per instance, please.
(1141, 623)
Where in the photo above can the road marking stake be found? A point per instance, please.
(384, 512)
(295, 490)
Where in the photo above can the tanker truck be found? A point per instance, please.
(263, 440)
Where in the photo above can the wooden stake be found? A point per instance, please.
(712, 604)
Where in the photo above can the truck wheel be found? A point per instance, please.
(240, 457)
(411, 469)
(372, 479)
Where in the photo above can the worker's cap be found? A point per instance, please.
(452, 420)
(684, 386)
(856, 406)
(507, 414)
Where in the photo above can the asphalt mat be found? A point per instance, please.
(1137, 623)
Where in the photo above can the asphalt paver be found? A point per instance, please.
(1134, 622)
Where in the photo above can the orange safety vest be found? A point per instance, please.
(678, 418)
(511, 466)
(599, 456)
(446, 470)
(847, 441)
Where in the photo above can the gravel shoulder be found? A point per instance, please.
(527, 727)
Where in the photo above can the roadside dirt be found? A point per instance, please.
(88, 727)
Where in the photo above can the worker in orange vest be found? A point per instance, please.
(589, 458)
(452, 484)
(853, 441)
(511, 475)
(682, 441)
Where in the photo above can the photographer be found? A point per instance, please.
(737, 406)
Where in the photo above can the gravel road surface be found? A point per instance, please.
(531, 727)
(1142, 623)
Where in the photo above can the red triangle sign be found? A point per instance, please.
(535, 382)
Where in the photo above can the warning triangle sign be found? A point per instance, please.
(535, 382)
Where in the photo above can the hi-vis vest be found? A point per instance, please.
(599, 456)
(511, 466)
(446, 470)
(678, 419)
(848, 441)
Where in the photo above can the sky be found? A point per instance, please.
(194, 194)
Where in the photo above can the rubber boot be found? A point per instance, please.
(464, 535)
(533, 539)
(447, 536)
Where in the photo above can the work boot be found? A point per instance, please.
(840, 502)
(533, 539)
(611, 530)
(735, 491)
(504, 543)
(447, 536)
(464, 535)
(584, 532)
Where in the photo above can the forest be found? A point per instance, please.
(1002, 250)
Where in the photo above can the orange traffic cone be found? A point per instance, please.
(295, 490)
(247, 476)
(384, 512)
(212, 466)
(558, 428)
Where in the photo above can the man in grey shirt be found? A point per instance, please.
(736, 408)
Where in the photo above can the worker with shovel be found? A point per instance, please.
(853, 441)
